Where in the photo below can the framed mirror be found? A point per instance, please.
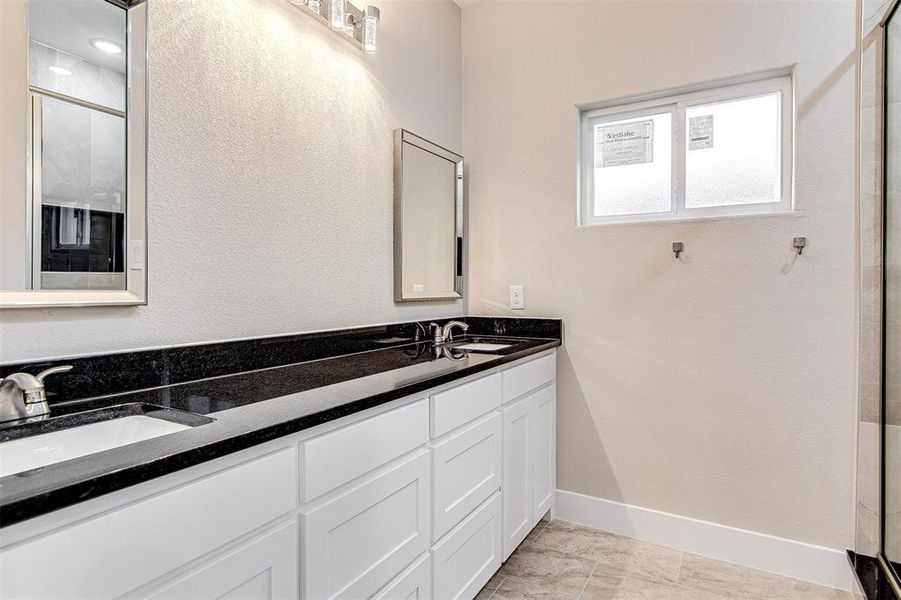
(428, 220)
(73, 153)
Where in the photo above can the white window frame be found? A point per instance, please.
(676, 103)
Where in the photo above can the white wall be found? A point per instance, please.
(270, 176)
(721, 386)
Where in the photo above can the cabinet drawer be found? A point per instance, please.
(340, 456)
(263, 569)
(465, 560)
(119, 551)
(460, 405)
(529, 376)
(466, 471)
(357, 543)
(415, 583)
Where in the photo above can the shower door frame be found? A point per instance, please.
(888, 568)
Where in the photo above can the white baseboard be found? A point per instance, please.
(823, 566)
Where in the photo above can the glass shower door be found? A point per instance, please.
(79, 190)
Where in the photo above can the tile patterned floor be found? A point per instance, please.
(561, 561)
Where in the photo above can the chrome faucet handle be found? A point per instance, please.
(52, 371)
(22, 395)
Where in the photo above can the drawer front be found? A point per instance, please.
(466, 471)
(134, 545)
(263, 569)
(357, 543)
(340, 456)
(466, 559)
(460, 405)
(529, 376)
(415, 583)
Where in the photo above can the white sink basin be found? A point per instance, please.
(483, 347)
(48, 448)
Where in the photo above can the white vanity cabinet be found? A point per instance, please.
(420, 498)
(529, 413)
(101, 550)
(263, 569)
(356, 543)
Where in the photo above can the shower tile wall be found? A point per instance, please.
(870, 228)
(88, 81)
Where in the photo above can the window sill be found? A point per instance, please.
(790, 214)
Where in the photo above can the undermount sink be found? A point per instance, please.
(54, 440)
(482, 347)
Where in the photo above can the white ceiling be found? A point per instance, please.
(69, 25)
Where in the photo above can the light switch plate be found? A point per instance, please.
(136, 255)
(517, 297)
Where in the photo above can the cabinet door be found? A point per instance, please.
(517, 473)
(356, 543)
(263, 569)
(543, 451)
(466, 471)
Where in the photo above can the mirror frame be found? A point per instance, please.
(401, 137)
(135, 292)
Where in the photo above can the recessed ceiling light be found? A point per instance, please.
(106, 46)
(59, 70)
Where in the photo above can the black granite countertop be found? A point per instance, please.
(246, 409)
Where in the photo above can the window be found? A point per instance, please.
(724, 150)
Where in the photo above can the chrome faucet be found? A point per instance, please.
(443, 335)
(22, 395)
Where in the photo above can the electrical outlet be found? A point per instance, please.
(517, 297)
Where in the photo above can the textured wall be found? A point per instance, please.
(722, 386)
(270, 175)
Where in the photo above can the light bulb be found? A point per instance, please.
(337, 15)
(371, 30)
(106, 46)
(351, 26)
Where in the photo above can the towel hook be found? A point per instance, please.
(678, 247)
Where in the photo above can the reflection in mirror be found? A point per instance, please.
(74, 152)
(428, 221)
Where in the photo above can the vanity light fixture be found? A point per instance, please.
(59, 70)
(360, 27)
(338, 15)
(371, 30)
(106, 46)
